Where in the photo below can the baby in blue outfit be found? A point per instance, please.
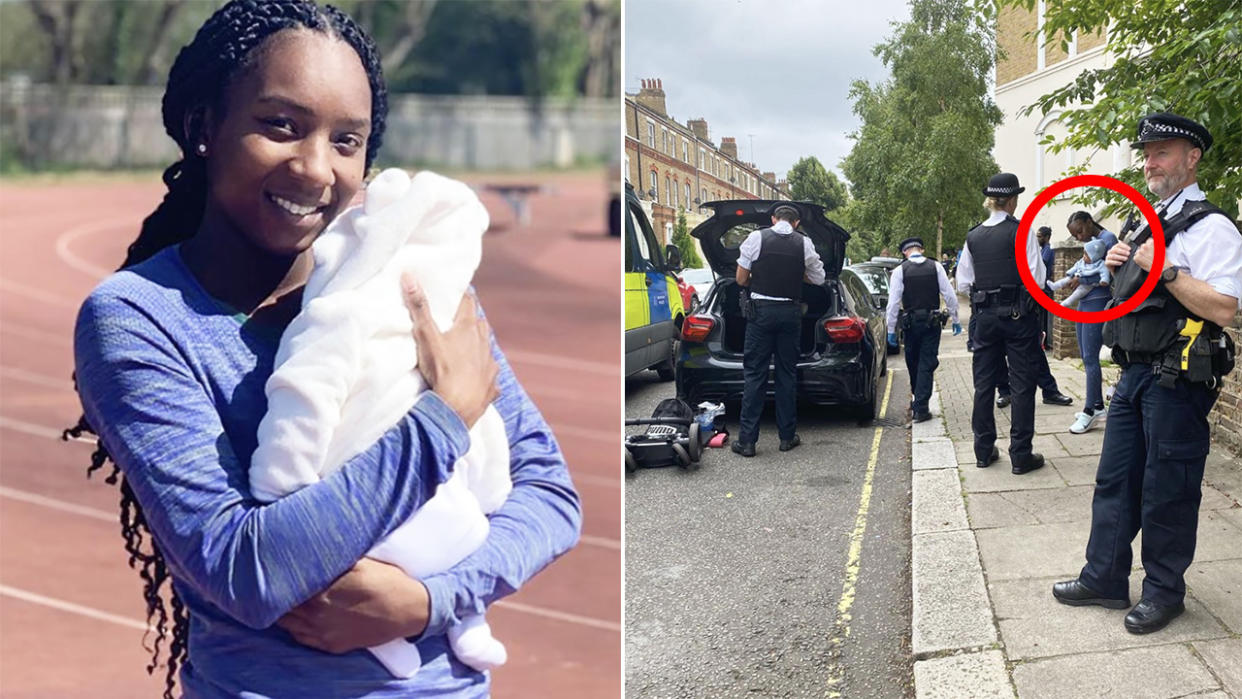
(1090, 272)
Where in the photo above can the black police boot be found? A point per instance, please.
(922, 415)
(1057, 398)
(1002, 401)
(1076, 594)
(1147, 616)
(1031, 463)
(787, 444)
(747, 450)
(992, 458)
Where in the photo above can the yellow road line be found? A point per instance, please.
(841, 629)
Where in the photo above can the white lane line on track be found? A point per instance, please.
(82, 610)
(64, 384)
(53, 433)
(602, 481)
(72, 608)
(111, 517)
(587, 433)
(9, 423)
(560, 616)
(79, 263)
(561, 362)
(30, 292)
(53, 503)
(28, 333)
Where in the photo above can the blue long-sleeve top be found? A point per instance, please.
(173, 382)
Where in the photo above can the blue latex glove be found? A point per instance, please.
(957, 328)
(892, 339)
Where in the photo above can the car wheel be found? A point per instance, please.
(630, 464)
(665, 369)
(866, 411)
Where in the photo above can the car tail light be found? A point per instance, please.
(845, 328)
(697, 328)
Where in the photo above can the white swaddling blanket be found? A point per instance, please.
(344, 375)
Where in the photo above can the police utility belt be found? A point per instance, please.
(1202, 354)
(1009, 300)
(920, 317)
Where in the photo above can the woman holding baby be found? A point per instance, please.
(1086, 230)
(279, 108)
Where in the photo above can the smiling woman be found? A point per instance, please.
(279, 107)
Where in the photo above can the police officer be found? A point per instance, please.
(1006, 324)
(773, 263)
(1173, 354)
(917, 285)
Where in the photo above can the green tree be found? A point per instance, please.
(923, 151)
(685, 244)
(1183, 56)
(810, 181)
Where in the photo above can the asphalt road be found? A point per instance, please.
(738, 574)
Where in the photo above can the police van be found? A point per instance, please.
(653, 308)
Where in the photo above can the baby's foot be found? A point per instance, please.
(474, 645)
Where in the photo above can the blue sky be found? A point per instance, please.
(778, 69)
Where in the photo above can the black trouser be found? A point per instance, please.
(773, 333)
(1043, 373)
(922, 358)
(1156, 442)
(997, 339)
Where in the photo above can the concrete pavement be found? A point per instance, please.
(987, 546)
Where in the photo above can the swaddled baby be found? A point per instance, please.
(343, 377)
(1090, 271)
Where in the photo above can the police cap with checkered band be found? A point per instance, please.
(1163, 126)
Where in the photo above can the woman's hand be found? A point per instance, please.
(371, 604)
(457, 364)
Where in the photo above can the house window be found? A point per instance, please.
(676, 194)
(702, 155)
(651, 133)
(686, 201)
(655, 189)
(685, 150)
(703, 195)
(668, 194)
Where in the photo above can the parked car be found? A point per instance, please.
(841, 355)
(876, 277)
(653, 310)
(696, 281)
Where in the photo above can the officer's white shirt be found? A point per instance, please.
(1210, 250)
(896, 285)
(748, 251)
(966, 266)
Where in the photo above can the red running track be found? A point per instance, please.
(71, 612)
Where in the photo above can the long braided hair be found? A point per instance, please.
(224, 48)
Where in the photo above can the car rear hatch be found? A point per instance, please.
(733, 220)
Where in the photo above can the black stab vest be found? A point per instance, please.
(1154, 326)
(920, 286)
(780, 266)
(991, 255)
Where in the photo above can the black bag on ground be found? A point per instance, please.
(673, 407)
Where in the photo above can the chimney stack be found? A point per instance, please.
(728, 146)
(699, 127)
(652, 96)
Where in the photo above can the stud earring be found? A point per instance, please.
(202, 149)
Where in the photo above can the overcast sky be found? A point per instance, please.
(778, 69)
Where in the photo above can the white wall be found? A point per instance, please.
(1017, 148)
